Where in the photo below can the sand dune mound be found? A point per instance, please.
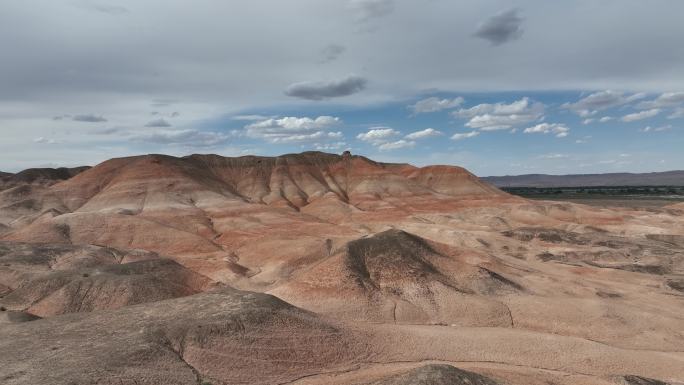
(399, 277)
(106, 287)
(64, 257)
(437, 375)
(387, 260)
(23, 262)
(223, 337)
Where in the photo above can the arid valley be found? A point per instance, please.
(318, 268)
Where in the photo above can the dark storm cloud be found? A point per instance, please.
(158, 123)
(324, 90)
(89, 118)
(501, 28)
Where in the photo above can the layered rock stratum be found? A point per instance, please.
(317, 268)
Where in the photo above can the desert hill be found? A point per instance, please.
(50, 280)
(41, 176)
(318, 268)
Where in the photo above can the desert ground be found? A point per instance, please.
(318, 268)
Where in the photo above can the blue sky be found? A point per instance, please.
(498, 87)
(591, 145)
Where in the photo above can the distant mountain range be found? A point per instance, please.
(668, 178)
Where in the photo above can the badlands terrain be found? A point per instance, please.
(317, 268)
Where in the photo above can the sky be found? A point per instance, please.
(500, 87)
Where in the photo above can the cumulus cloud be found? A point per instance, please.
(378, 135)
(599, 101)
(187, 137)
(435, 104)
(295, 124)
(501, 116)
(640, 115)
(367, 10)
(325, 90)
(158, 123)
(465, 135)
(558, 129)
(384, 139)
(426, 133)
(89, 118)
(606, 119)
(501, 28)
(399, 144)
(668, 99)
(294, 129)
(588, 121)
(331, 53)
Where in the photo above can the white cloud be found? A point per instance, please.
(367, 10)
(335, 146)
(294, 129)
(553, 156)
(383, 139)
(500, 116)
(187, 137)
(295, 124)
(435, 104)
(465, 135)
(599, 101)
(587, 121)
(378, 135)
(668, 99)
(640, 115)
(251, 117)
(656, 129)
(158, 123)
(44, 140)
(426, 133)
(297, 138)
(606, 119)
(678, 113)
(399, 144)
(583, 140)
(560, 130)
